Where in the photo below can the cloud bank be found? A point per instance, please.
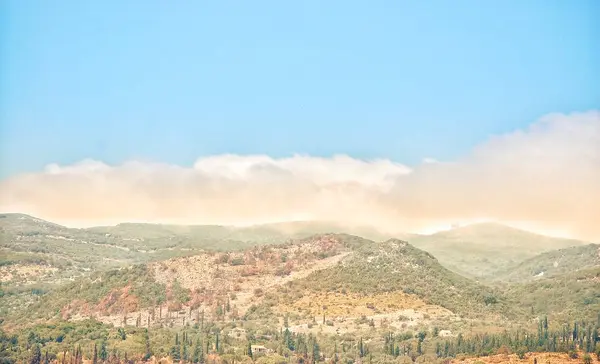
(546, 177)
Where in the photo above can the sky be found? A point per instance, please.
(242, 111)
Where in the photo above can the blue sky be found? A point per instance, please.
(174, 81)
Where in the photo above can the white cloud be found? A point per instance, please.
(547, 175)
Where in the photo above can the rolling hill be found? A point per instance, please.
(387, 281)
(480, 250)
(562, 297)
(144, 284)
(203, 282)
(35, 251)
(396, 266)
(552, 263)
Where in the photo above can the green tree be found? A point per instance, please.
(184, 351)
(361, 348)
(36, 355)
(198, 356)
(175, 351)
(95, 355)
(316, 352)
(103, 352)
(148, 348)
(335, 353)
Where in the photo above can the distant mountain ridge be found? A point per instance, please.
(480, 250)
(552, 263)
(477, 250)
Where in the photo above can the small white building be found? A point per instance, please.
(445, 333)
(256, 349)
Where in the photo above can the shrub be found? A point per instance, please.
(237, 261)
(521, 352)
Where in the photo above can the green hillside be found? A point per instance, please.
(395, 265)
(552, 263)
(567, 296)
(480, 250)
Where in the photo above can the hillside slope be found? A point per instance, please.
(351, 280)
(396, 266)
(552, 263)
(562, 297)
(37, 252)
(479, 250)
(173, 291)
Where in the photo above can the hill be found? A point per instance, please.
(217, 284)
(396, 266)
(37, 252)
(573, 295)
(552, 263)
(479, 250)
(358, 281)
(228, 237)
(336, 294)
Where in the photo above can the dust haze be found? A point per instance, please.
(545, 178)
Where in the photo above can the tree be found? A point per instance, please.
(361, 349)
(122, 333)
(148, 353)
(249, 349)
(184, 351)
(175, 351)
(36, 355)
(335, 353)
(421, 336)
(95, 356)
(287, 339)
(198, 356)
(316, 352)
(103, 352)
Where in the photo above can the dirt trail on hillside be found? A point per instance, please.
(200, 271)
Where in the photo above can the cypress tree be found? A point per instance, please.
(361, 351)
(184, 351)
(103, 352)
(95, 355)
(198, 356)
(175, 351)
(36, 355)
(148, 348)
(335, 353)
(316, 352)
